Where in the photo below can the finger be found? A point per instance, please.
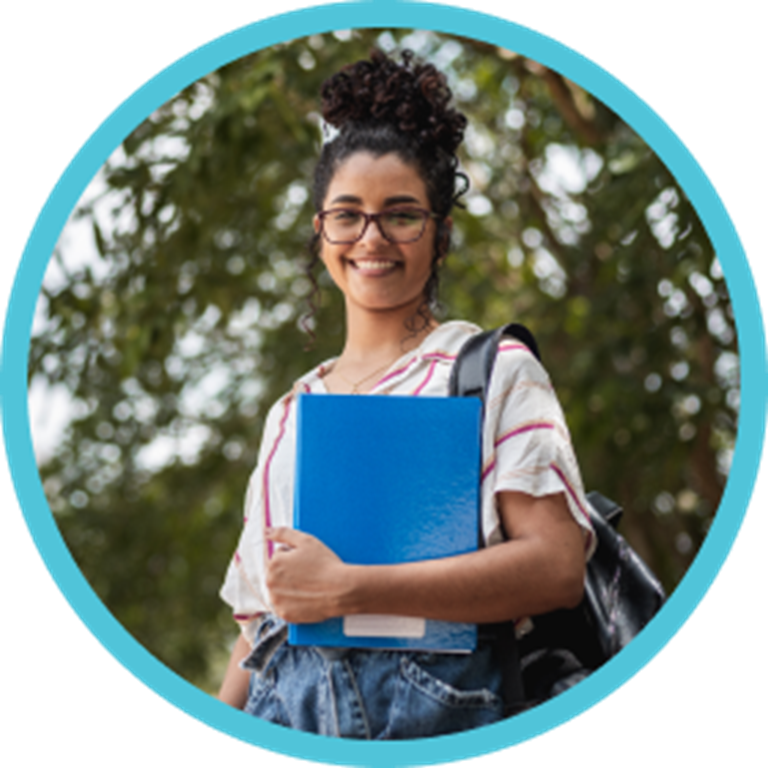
(287, 536)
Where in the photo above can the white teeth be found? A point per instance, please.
(371, 265)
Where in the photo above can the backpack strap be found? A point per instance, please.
(471, 372)
(470, 377)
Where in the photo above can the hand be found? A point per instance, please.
(305, 579)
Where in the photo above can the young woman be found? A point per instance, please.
(384, 190)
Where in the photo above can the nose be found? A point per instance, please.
(373, 234)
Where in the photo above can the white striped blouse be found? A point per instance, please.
(526, 447)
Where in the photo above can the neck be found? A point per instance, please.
(375, 337)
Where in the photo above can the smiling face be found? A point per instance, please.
(374, 274)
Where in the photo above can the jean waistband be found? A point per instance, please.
(273, 632)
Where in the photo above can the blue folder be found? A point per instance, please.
(383, 480)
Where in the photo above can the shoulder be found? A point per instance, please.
(312, 381)
(520, 382)
(447, 339)
(280, 410)
(515, 360)
(452, 336)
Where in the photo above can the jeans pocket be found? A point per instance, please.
(431, 700)
(445, 693)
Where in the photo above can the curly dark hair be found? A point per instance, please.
(383, 107)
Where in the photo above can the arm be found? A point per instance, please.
(234, 688)
(539, 568)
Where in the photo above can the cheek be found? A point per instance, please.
(429, 257)
(331, 258)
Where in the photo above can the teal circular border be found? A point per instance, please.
(302, 23)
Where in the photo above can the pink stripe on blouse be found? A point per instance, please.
(265, 477)
(513, 433)
(439, 356)
(426, 378)
(574, 496)
(395, 373)
(244, 618)
(511, 345)
(524, 428)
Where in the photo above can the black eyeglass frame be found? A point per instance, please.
(375, 217)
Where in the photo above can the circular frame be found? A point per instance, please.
(278, 29)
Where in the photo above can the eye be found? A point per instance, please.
(344, 216)
(402, 217)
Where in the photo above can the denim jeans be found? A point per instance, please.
(366, 694)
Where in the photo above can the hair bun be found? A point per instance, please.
(413, 97)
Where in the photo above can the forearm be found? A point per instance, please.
(539, 568)
(234, 688)
(506, 581)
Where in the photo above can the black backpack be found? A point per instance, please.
(621, 595)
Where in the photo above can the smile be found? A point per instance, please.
(371, 265)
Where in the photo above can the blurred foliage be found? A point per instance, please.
(174, 324)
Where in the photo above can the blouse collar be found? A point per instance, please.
(443, 342)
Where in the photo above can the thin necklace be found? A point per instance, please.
(356, 384)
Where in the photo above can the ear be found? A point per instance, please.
(316, 227)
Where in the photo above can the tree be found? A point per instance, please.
(184, 326)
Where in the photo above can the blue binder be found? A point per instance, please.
(383, 480)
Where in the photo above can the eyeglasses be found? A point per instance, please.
(344, 226)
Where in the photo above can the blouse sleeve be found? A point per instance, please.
(526, 443)
(242, 585)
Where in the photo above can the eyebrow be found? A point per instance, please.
(394, 200)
